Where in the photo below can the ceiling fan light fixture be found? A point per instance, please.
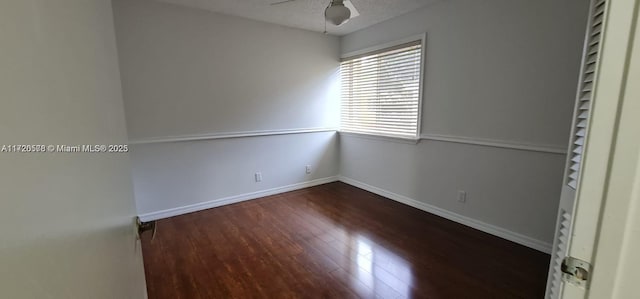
(336, 13)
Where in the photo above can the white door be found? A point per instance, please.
(65, 218)
(577, 144)
(592, 142)
(618, 243)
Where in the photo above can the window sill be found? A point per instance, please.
(381, 137)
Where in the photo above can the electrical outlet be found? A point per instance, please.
(462, 196)
(308, 169)
(258, 177)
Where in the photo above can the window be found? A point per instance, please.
(381, 91)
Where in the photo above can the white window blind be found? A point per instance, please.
(585, 93)
(381, 91)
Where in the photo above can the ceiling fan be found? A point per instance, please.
(337, 13)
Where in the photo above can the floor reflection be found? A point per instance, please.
(372, 269)
(365, 264)
(382, 272)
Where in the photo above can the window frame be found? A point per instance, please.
(422, 39)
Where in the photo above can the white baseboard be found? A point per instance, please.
(232, 199)
(479, 225)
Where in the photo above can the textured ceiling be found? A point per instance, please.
(307, 14)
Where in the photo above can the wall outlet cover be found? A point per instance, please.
(462, 196)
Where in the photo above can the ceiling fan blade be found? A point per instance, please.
(281, 2)
(349, 5)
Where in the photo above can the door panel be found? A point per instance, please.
(65, 218)
(595, 211)
(577, 146)
(563, 227)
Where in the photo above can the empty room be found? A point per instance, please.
(319, 149)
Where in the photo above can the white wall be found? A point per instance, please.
(507, 189)
(179, 174)
(499, 71)
(66, 219)
(191, 72)
(496, 69)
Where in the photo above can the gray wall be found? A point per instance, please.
(191, 72)
(66, 219)
(179, 174)
(496, 71)
(188, 71)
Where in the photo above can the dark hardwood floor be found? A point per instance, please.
(333, 241)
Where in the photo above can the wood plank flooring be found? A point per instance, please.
(333, 241)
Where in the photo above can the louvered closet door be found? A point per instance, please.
(578, 139)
